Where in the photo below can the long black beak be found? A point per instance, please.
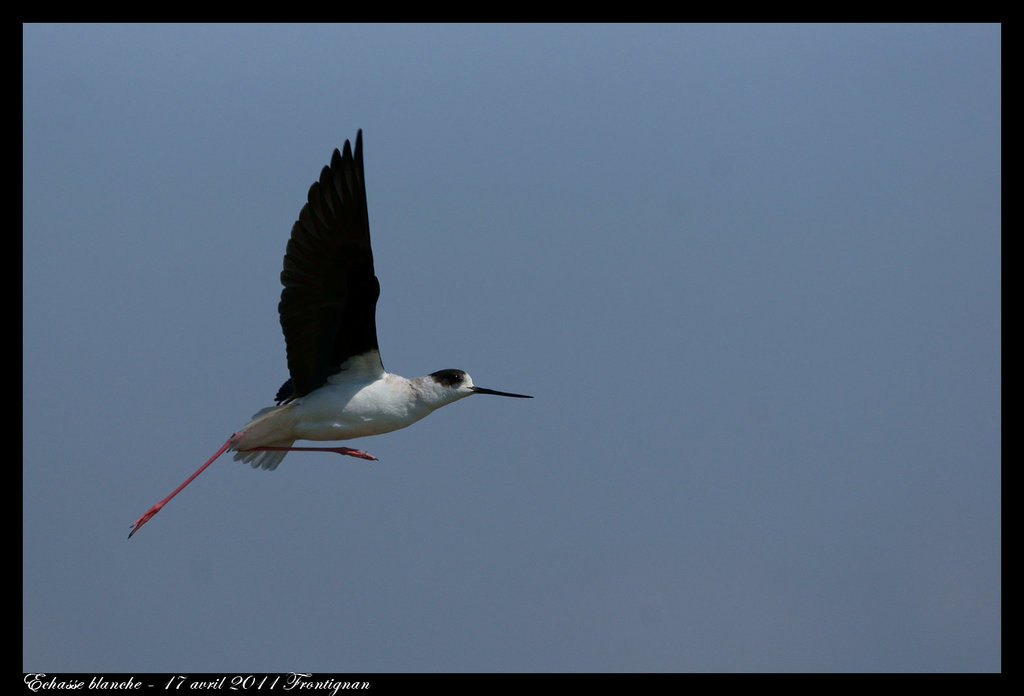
(481, 390)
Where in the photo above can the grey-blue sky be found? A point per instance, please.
(751, 274)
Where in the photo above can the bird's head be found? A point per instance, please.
(452, 385)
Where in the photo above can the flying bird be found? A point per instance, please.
(337, 388)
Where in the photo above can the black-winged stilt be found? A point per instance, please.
(338, 388)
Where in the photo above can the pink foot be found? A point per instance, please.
(353, 453)
(145, 518)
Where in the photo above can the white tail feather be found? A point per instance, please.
(269, 427)
(263, 459)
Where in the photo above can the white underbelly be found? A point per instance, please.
(341, 412)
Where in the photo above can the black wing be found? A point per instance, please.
(330, 292)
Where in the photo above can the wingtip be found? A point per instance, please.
(346, 149)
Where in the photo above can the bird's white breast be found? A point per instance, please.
(347, 408)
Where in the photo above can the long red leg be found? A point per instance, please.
(156, 508)
(338, 450)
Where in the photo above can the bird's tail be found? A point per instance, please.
(264, 459)
(260, 432)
